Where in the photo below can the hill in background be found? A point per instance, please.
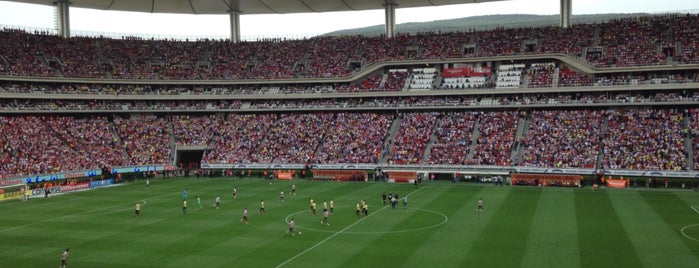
(485, 22)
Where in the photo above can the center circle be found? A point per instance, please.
(689, 227)
(441, 215)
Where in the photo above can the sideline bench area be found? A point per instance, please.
(339, 175)
(546, 180)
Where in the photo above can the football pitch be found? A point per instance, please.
(439, 227)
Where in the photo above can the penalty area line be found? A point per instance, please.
(335, 234)
(695, 210)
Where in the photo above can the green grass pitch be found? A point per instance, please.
(520, 227)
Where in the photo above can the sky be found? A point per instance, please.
(299, 25)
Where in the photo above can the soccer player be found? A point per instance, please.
(325, 205)
(262, 206)
(357, 211)
(184, 194)
(235, 193)
(332, 207)
(393, 201)
(281, 196)
(291, 227)
(147, 184)
(199, 203)
(245, 216)
(184, 206)
(383, 198)
(366, 210)
(64, 258)
(138, 209)
(313, 207)
(480, 205)
(405, 201)
(293, 189)
(217, 203)
(325, 218)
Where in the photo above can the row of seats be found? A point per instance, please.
(549, 99)
(390, 80)
(639, 139)
(650, 40)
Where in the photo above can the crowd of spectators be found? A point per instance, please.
(641, 139)
(195, 130)
(392, 80)
(563, 138)
(146, 139)
(395, 80)
(649, 40)
(413, 136)
(238, 139)
(453, 138)
(93, 138)
(30, 145)
(631, 138)
(354, 138)
(293, 138)
(540, 75)
(436, 102)
(496, 135)
(693, 131)
(645, 139)
(570, 78)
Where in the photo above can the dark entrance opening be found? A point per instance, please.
(189, 160)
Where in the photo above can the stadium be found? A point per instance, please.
(580, 138)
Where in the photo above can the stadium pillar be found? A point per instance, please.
(62, 18)
(566, 10)
(234, 16)
(390, 8)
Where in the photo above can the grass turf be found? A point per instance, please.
(521, 227)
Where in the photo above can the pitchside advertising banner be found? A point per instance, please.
(72, 187)
(12, 192)
(91, 173)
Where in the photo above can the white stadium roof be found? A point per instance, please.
(235, 8)
(246, 7)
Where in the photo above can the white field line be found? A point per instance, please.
(695, 210)
(336, 234)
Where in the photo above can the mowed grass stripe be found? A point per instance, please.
(503, 241)
(602, 238)
(254, 244)
(676, 214)
(458, 203)
(347, 244)
(389, 249)
(553, 236)
(291, 249)
(656, 243)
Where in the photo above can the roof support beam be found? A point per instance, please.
(390, 9)
(234, 16)
(566, 10)
(62, 18)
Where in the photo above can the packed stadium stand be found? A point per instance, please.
(615, 95)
